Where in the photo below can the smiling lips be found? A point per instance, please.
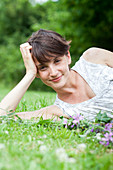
(56, 79)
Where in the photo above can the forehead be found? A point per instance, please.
(50, 59)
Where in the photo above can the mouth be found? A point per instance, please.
(56, 79)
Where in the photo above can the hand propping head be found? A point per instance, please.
(28, 59)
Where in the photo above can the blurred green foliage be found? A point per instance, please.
(87, 23)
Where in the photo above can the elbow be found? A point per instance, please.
(5, 110)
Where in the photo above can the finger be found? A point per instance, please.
(28, 54)
(24, 45)
(25, 49)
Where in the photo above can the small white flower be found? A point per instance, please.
(3, 121)
(81, 146)
(60, 151)
(82, 136)
(98, 136)
(44, 136)
(40, 142)
(72, 160)
(2, 146)
(61, 154)
(88, 137)
(6, 132)
(43, 148)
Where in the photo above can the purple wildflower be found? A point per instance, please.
(70, 116)
(74, 116)
(108, 127)
(66, 126)
(72, 126)
(77, 118)
(65, 121)
(108, 137)
(92, 129)
(103, 143)
(98, 124)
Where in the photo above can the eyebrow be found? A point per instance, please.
(40, 64)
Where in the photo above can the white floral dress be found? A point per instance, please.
(100, 78)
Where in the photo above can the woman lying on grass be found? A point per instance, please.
(86, 88)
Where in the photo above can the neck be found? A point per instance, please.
(70, 86)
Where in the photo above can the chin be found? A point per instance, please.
(58, 86)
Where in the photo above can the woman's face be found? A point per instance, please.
(55, 73)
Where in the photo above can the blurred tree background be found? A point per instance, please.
(87, 23)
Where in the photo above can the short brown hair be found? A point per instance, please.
(46, 44)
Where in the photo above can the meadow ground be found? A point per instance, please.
(47, 145)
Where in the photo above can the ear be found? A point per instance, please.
(69, 58)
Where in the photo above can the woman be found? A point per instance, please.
(87, 88)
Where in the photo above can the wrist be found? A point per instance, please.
(30, 74)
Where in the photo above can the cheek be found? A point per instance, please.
(43, 75)
(65, 68)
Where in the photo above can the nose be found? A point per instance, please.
(52, 71)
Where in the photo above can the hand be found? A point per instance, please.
(27, 58)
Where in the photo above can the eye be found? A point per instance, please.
(42, 68)
(57, 60)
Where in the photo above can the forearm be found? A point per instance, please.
(49, 112)
(12, 99)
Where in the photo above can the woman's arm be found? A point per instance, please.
(48, 112)
(12, 99)
(99, 56)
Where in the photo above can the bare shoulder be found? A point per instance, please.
(98, 56)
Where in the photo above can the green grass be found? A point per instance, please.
(28, 145)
